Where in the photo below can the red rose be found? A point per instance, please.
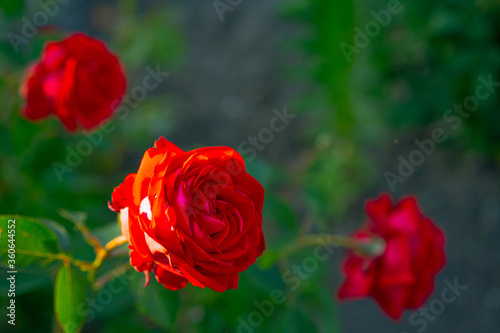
(77, 79)
(191, 216)
(403, 276)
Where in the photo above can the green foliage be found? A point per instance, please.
(332, 23)
(336, 177)
(35, 244)
(334, 70)
(12, 9)
(337, 166)
(159, 41)
(71, 290)
(156, 303)
(428, 59)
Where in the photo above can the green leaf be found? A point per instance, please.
(156, 302)
(71, 290)
(36, 245)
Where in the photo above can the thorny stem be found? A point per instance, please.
(101, 251)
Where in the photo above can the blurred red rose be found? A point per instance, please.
(191, 216)
(77, 79)
(403, 276)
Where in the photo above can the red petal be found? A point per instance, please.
(169, 277)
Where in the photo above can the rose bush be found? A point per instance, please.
(403, 276)
(76, 79)
(191, 216)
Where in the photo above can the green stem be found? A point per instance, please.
(327, 239)
(84, 266)
(373, 247)
(318, 239)
(103, 252)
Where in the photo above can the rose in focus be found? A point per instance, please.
(76, 79)
(402, 277)
(191, 216)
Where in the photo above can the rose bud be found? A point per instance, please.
(191, 216)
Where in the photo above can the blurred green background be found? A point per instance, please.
(230, 67)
